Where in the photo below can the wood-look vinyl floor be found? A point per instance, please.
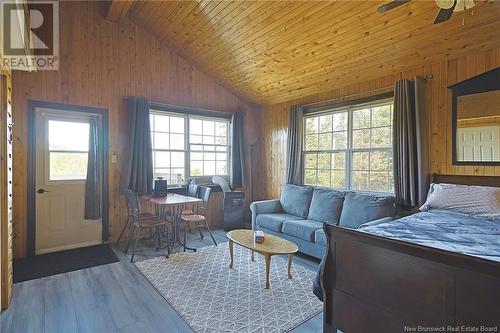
(110, 298)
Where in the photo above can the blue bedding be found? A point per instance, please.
(445, 230)
(440, 229)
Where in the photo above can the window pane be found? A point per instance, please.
(177, 160)
(196, 168)
(161, 140)
(220, 140)
(339, 140)
(312, 142)
(360, 180)
(209, 148)
(311, 125)
(360, 160)
(382, 116)
(221, 157)
(208, 140)
(379, 181)
(195, 139)
(67, 135)
(162, 172)
(381, 137)
(324, 161)
(177, 125)
(324, 178)
(325, 141)
(311, 161)
(221, 148)
(221, 129)
(209, 168)
(338, 160)
(310, 177)
(338, 178)
(176, 175)
(177, 141)
(196, 156)
(208, 127)
(379, 161)
(161, 123)
(161, 159)
(195, 126)
(361, 138)
(197, 147)
(66, 166)
(340, 121)
(209, 156)
(325, 123)
(222, 168)
(361, 119)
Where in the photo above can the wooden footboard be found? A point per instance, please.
(375, 284)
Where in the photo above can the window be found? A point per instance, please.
(350, 148)
(188, 146)
(68, 150)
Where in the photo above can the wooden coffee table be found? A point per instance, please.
(271, 246)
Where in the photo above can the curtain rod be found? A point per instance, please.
(382, 89)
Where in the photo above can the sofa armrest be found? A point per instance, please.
(264, 207)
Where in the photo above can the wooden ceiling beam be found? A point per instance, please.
(119, 9)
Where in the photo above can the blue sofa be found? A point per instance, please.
(301, 210)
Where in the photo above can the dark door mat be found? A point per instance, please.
(62, 262)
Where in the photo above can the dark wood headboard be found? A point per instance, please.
(467, 180)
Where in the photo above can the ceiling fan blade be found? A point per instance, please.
(445, 14)
(391, 5)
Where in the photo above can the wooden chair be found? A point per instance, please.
(142, 221)
(199, 218)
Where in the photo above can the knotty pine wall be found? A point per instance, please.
(438, 104)
(101, 63)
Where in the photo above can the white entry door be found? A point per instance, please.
(62, 142)
(478, 144)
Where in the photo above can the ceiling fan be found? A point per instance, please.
(446, 7)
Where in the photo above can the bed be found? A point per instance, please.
(435, 270)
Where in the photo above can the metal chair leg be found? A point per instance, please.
(123, 230)
(130, 237)
(185, 232)
(199, 230)
(135, 246)
(210, 232)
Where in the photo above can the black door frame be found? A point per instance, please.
(31, 204)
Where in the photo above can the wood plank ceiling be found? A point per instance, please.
(274, 51)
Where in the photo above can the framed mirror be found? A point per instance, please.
(476, 120)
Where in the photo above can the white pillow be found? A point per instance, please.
(482, 201)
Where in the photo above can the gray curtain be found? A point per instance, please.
(140, 160)
(93, 183)
(294, 161)
(237, 170)
(411, 173)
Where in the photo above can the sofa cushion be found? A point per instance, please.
(296, 200)
(274, 221)
(320, 237)
(361, 207)
(303, 229)
(326, 205)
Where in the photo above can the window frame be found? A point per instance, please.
(187, 145)
(349, 109)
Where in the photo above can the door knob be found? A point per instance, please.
(41, 191)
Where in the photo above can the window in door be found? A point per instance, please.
(68, 146)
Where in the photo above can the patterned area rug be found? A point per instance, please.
(213, 298)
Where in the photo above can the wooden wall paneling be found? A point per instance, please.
(289, 50)
(438, 104)
(101, 63)
(6, 188)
